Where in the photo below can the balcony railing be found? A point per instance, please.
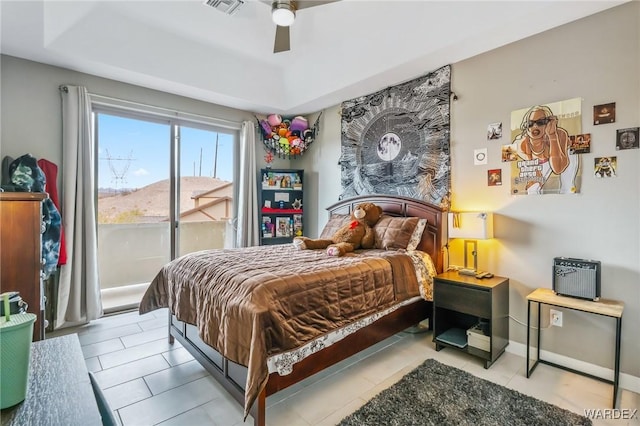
(130, 255)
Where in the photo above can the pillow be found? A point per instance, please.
(394, 232)
(416, 237)
(336, 221)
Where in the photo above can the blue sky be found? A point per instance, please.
(139, 152)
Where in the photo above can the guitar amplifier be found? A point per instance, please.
(576, 278)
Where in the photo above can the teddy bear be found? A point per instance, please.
(356, 234)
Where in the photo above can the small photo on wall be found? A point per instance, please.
(628, 138)
(494, 131)
(479, 156)
(509, 153)
(604, 114)
(494, 177)
(580, 144)
(605, 167)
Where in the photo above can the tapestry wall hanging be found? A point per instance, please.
(542, 138)
(396, 141)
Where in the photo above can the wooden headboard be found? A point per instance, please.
(432, 238)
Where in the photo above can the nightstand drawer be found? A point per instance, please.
(462, 299)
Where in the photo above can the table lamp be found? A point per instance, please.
(471, 226)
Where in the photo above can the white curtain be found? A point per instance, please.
(247, 194)
(79, 287)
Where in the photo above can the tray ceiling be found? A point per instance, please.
(338, 51)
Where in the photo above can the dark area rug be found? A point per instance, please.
(436, 394)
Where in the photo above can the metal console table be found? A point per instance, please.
(609, 308)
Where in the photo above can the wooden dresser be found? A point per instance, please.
(21, 250)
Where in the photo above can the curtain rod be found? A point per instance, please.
(219, 121)
(167, 111)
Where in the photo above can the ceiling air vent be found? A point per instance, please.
(226, 6)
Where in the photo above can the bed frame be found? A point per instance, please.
(232, 376)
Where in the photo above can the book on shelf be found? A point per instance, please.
(267, 227)
(283, 227)
(297, 224)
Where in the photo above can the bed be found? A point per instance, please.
(280, 315)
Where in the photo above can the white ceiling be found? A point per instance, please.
(338, 51)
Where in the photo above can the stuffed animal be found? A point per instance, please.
(356, 234)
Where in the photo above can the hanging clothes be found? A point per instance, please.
(27, 176)
(50, 171)
(6, 179)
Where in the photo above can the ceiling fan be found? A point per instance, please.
(283, 13)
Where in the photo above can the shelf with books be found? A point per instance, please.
(281, 198)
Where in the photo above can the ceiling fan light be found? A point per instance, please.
(283, 15)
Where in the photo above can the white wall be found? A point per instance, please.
(598, 60)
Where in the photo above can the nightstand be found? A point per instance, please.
(467, 306)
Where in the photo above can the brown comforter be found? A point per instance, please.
(254, 302)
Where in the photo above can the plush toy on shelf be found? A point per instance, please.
(354, 235)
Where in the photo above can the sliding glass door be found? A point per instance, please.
(205, 188)
(164, 189)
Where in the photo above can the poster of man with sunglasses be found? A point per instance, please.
(540, 136)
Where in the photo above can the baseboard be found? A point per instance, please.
(627, 381)
(120, 299)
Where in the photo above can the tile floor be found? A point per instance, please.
(147, 381)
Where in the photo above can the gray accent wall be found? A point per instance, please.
(596, 59)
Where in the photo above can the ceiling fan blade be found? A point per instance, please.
(282, 39)
(305, 4)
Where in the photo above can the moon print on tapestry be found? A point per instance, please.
(396, 141)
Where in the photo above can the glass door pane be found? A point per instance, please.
(133, 205)
(206, 190)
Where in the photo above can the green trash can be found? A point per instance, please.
(15, 352)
